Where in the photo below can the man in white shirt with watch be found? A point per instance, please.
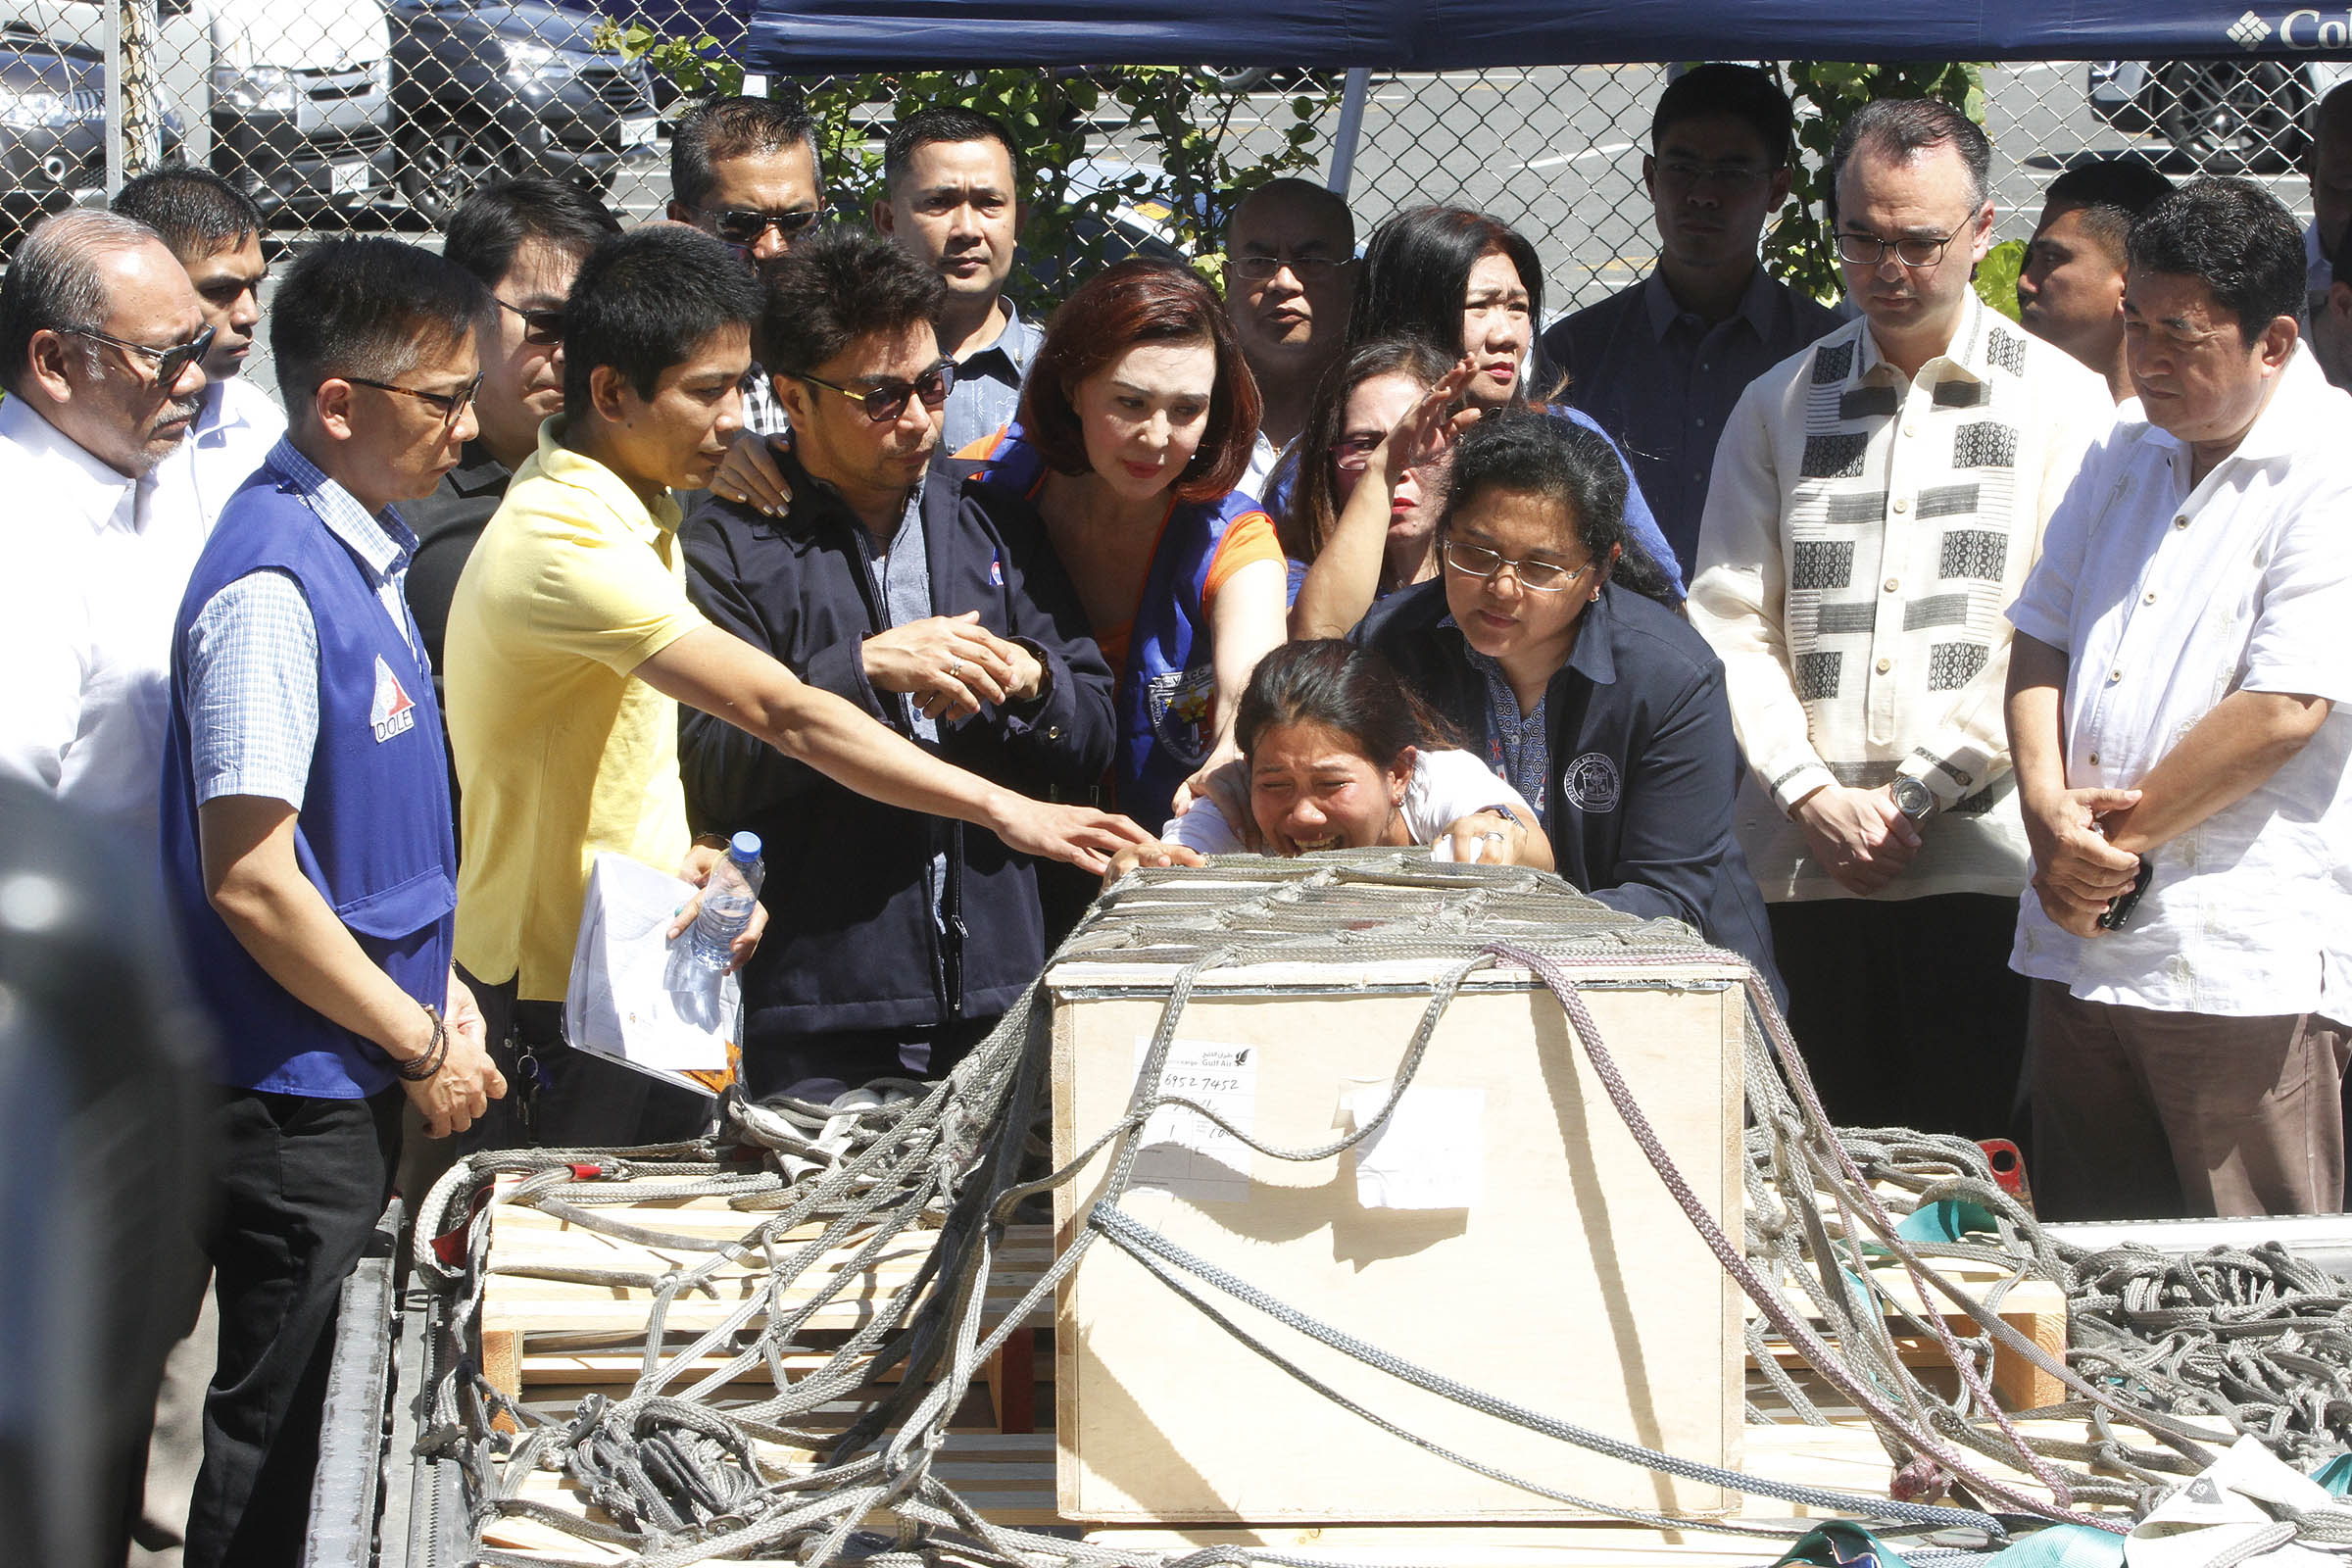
(2184, 765)
(1877, 501)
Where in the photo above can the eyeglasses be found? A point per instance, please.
(453, 405)
(1354, 453)
(541, 329)
(169, 361)
(1682, 175)
(1305, 269)
(739, 227)
(1914, 250)
(887, 400)
(1536, 576)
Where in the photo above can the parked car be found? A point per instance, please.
(291, 99)
(485, 91)
(2224, 117)
(53, 130)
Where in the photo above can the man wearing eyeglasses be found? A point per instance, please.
(1289, 262)
(1877, 500)
(929, 602)
(745, 170)
(215, 230)
(1659, 365)
(307, 859)
(524, 240)
(96, 542)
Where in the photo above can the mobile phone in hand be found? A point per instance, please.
(2118, 909)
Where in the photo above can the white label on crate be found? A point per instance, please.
(640, 131)
(1185, 1152)
(1428, 1153)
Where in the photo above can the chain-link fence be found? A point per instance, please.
(358, 113)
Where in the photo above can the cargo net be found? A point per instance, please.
(2171, 1362)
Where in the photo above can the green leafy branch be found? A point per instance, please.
(1172, 115)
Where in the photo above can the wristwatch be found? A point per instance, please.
(1912, 798)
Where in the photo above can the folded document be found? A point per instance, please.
(640, 998)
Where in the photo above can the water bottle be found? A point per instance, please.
(727, 900)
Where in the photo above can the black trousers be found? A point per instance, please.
(559, 1097)
(303, 1181)
(823, 1068)
(1906, 1009)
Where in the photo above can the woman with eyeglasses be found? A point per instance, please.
(1136, 422)
(1341, 754)
(1549, 639)
(1472, 286)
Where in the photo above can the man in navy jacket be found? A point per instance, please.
(895, 940)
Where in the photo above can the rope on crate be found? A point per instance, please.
(2255, 1340)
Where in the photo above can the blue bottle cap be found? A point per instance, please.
(744, 847)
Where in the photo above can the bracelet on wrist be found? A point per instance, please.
(437, 1051)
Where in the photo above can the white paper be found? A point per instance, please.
(634, 995)
(1183, 1151)
(2215, 1512)
(1428, 1153)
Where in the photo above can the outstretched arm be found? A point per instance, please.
(726, 677)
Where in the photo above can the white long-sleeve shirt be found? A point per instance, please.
(1863, 534)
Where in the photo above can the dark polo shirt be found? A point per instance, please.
(1662, 382)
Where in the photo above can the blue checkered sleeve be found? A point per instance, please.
(253, 690)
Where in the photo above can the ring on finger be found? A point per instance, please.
(955, 666)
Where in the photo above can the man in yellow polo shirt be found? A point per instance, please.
(571, 644)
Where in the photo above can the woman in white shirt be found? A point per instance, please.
(1340, 754)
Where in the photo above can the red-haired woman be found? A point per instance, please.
(1136, 422)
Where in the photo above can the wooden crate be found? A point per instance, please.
(539, 1331)
(1570, 1283)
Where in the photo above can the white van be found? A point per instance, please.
(291, 99)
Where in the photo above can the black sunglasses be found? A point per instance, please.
(453, 405)
(738, 226)
(541, 329)
(169, 361)
(888, 399)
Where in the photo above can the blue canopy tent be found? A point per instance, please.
(799, 36)
(789, 37)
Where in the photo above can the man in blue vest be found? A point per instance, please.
(308, 853)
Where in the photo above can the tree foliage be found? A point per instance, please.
(1172, 121)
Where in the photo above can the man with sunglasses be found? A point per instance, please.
(1290, 250)
(97, 539)
(307, 859)
(523, 240)
(745, 170)
(1876, 503)
(215, 230)
(1661, 363)
(928, 602)
(573, 645)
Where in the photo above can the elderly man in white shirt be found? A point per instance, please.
(1877, 501)
(215, 230)
(102, 342)
(2181, 756)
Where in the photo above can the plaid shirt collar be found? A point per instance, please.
(382, 541)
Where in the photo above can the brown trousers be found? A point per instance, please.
(2141, 1114)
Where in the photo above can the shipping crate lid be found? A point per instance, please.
(1366, 917)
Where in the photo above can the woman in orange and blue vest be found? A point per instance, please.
(1135, 425)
